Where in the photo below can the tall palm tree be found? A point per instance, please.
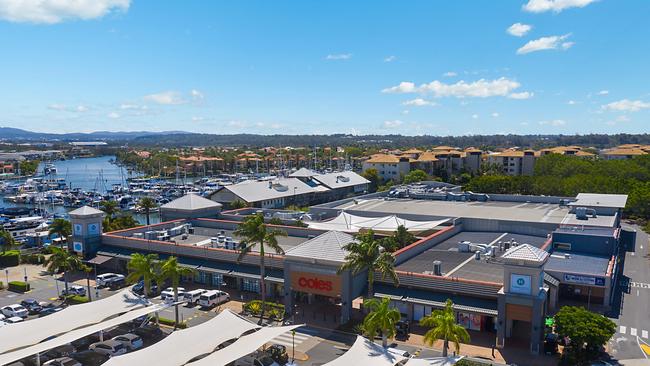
(254, 233)
(147, 204)
(367, 253)
(62, 260)
(6, 240)
(110, 208)
(145, 267)
(61, 228)
(382, 318)
(170, 270)
(443, 326)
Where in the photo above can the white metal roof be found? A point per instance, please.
(183, 345)
(386, 224)
(366, 353)
(191, 202)
(30, 332)
(243, 346)
(341, 179)
(600, 200)
(327, 246)
(303, 173)
(84, 211)
(255, 191)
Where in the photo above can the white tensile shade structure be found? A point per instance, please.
(183, 345)
(382, 225)
(66, 338)
(366, 353)
(31, 332)
(243, 346)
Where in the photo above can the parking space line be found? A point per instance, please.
(644, 334)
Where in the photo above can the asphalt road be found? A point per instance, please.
(633, 322)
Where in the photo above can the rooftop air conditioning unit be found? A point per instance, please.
(342, 178)
(463, 246)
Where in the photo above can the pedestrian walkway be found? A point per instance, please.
(289, 340)
(634, 332)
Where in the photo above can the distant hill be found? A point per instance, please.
(10, 133)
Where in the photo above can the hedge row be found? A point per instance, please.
(10, 258)
(18, 286)
(32, 259)
(170, 322)
(76, 299)
(272, 309)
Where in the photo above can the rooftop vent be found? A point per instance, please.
(437, 268)
(567, 256)
(477, 255)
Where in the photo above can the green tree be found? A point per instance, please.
(121, 222)
(170, 270)
(366, 253)
(373, 176)
(61, 260)
(237, 204)
(110, 208)
(145, 267)
(61, 228)
(147, 204)
(415, 176)
(254, 233)
(443, 326)
(6, 240)
(402, 237)
(587, 330)
(382, 318)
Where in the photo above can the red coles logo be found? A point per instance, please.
(315, 284)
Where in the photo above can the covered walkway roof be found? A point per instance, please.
(366, 353)
(31, 332)
(382, 225)
(183, 345)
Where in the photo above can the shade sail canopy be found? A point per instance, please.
(183, 345)
(384, 225)
(366, 353)
(243, 346)
(30, 332)
(76, 334)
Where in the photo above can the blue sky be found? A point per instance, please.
(408, 67)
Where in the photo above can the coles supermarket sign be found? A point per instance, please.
(316, 283)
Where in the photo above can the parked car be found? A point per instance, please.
(74, 290)
(109, 348)
(192, 297)
(89, 358)
(138, 288)
(168, 294)
(13, 319)
(116, 283)
(130, 341)
(256, 359)
(150, 332)
(105, 278)
(32, 306)
(278, 353)
(212, 298)
(48, 310)
(63, 361)
(15, 310)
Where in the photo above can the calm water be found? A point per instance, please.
(88, 174)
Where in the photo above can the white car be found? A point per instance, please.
(13, 320)
(63, 361)
(212, 298)
(192, 297)
(168, 294)
(74, 290)
(256, 360)
(110, 348)
(106, 278)
(130, 341)
(15, 310)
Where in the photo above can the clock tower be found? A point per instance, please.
(86, 231)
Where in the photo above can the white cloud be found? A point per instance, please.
(113, 115)
(128, 106)
(340, 56)
(81, 108)
(450, 74)
(603, 92)
(393, 124)
(627, 105)
(419, 102)
(197, 119)
(519, 29)
(56, 11)
(166, 98)
(522, 95)
(237, 124)
(474, 116)
(495, 115)
(545, 43)
(406, 111)
(64, 108)
(571, 102)
(56, 107)
(555, 122)
(540, 6)
(196, 95)
(390, 58)
(481, 88)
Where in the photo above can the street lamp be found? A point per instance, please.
(293, 346)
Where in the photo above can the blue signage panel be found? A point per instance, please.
(584, 280)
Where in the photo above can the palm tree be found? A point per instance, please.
(382, 318)
(443, 326)
(403, 237)
(170, 270)
(110, 207)
(147, 203)
(61, 228)
(62, 260)
(367, 253)
(145, 266)
(6, 240)
(254, 232)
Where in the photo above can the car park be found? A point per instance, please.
(213, 298)
(15, 310)
(63, 361)
(13, 320)
(74, 290)
(32, 306)
(256, 359)
(168, 294)
(110, 348)
(149, 333)
(192, 297)
(89, 358)
(105, 278)
(130, 341)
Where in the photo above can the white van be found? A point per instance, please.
(193, 296)
(105, 278)
(168, 294)
(212, 298)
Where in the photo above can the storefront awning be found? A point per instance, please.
(437, 299)
(99, 259)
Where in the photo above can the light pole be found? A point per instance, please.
(293, 346)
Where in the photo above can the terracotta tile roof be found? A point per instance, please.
(625, 152)
(383, 158)
(427, 156)
(413, 151)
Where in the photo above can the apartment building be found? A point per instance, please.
(389, 166)
(627, 151)
(522, 162)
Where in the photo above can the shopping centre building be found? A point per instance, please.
(505, 261)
